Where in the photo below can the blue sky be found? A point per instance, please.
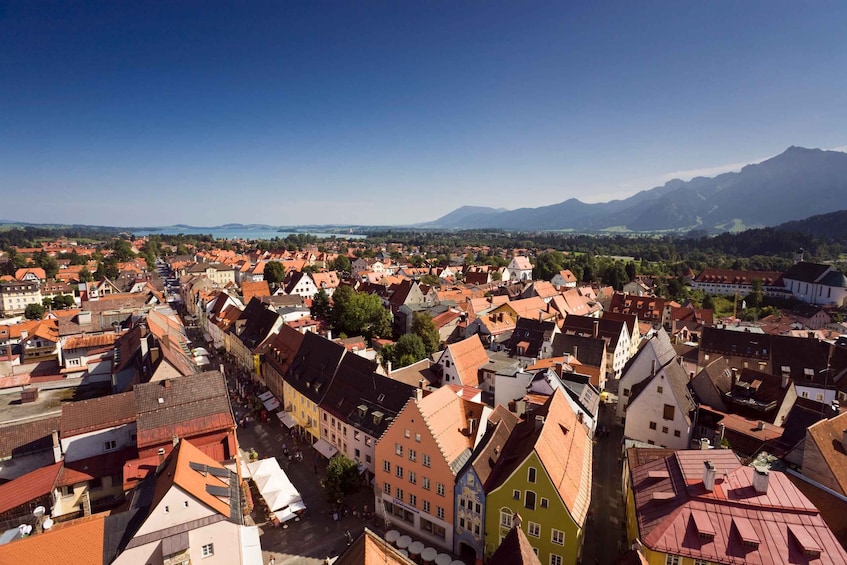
(386, 112)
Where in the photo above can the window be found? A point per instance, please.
(668, 412)
(505, 518)
(185, 504)
(418, 438)
(399, 494)
(367, 458)
(425, 506)
(555, 559)
(659, 389)
(398, 471)
(110, 445)
(167, 509)
(516, 494)
(413, 477)
(386, 488)
(671, 559)
(701, 562)
(357, 454)
(398, 449)
(386, 466)
(664, 429)
(529, 500)
(531, 475)
(413, 500)
(533, 530)
(558, 537)
(439, 512)
(413, 455)
(544, 503)
(626, 392)
(426, 461)
(425, 483)
(208, 550)
(439, 489)
(407, 434)
(652, 425)
(676, 433)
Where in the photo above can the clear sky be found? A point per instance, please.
(395, 112)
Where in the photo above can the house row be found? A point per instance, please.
(455, 473)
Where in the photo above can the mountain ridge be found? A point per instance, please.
(795, 184)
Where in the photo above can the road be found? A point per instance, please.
(605, 534)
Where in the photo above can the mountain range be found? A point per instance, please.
(795, 184)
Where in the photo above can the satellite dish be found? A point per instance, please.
(48, 523)
(39, 511)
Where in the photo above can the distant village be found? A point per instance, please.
(173, 410)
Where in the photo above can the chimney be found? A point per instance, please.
(709, 476)
(161, 455)
(418, 394)
(167, 384)
(567, 358)
(734, 377)
(421, 384)
(175, 440)
(576, 352)
(760, 425)
(57, 446)
(760, 480)
(786, 377)
(471, 426)
(516, 520)
(388, 368)
(580, 417)
(691, 375)
(539, 422)
(653, 368)
(560, 368)
(704, 443)
(596, 328)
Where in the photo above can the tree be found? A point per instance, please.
(357, 313)
(754, 299)
(424, 327)
(547, 264)
(274, 272)
(341, 264)
(122, 250)
(708, 302)
(430, 280)
(321, 308)
(408, 349)
(341, 479)
(630, 271)
(34, 311)
(85, 275)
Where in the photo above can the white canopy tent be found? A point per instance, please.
(275, 487)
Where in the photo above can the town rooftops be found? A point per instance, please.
(728, 276)
(829, 437)
(468, 356)
(806, 272)
(27, 437)
(515, 549)
(77, 542)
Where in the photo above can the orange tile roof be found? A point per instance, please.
(256, 289)
(177, 471)
(78, 542)
(446, 415)
(828, 436)
(468, 356)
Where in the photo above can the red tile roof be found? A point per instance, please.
(28, 487)
(733, 523)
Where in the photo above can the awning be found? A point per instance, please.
(251, 548)
(297, 506)
(266, 395)
(286, 418)
(271, 404)
(325, 448)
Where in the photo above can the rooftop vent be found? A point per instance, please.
(709, 476)
(760, 480)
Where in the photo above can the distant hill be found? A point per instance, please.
(795, 184)
(828, 226)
